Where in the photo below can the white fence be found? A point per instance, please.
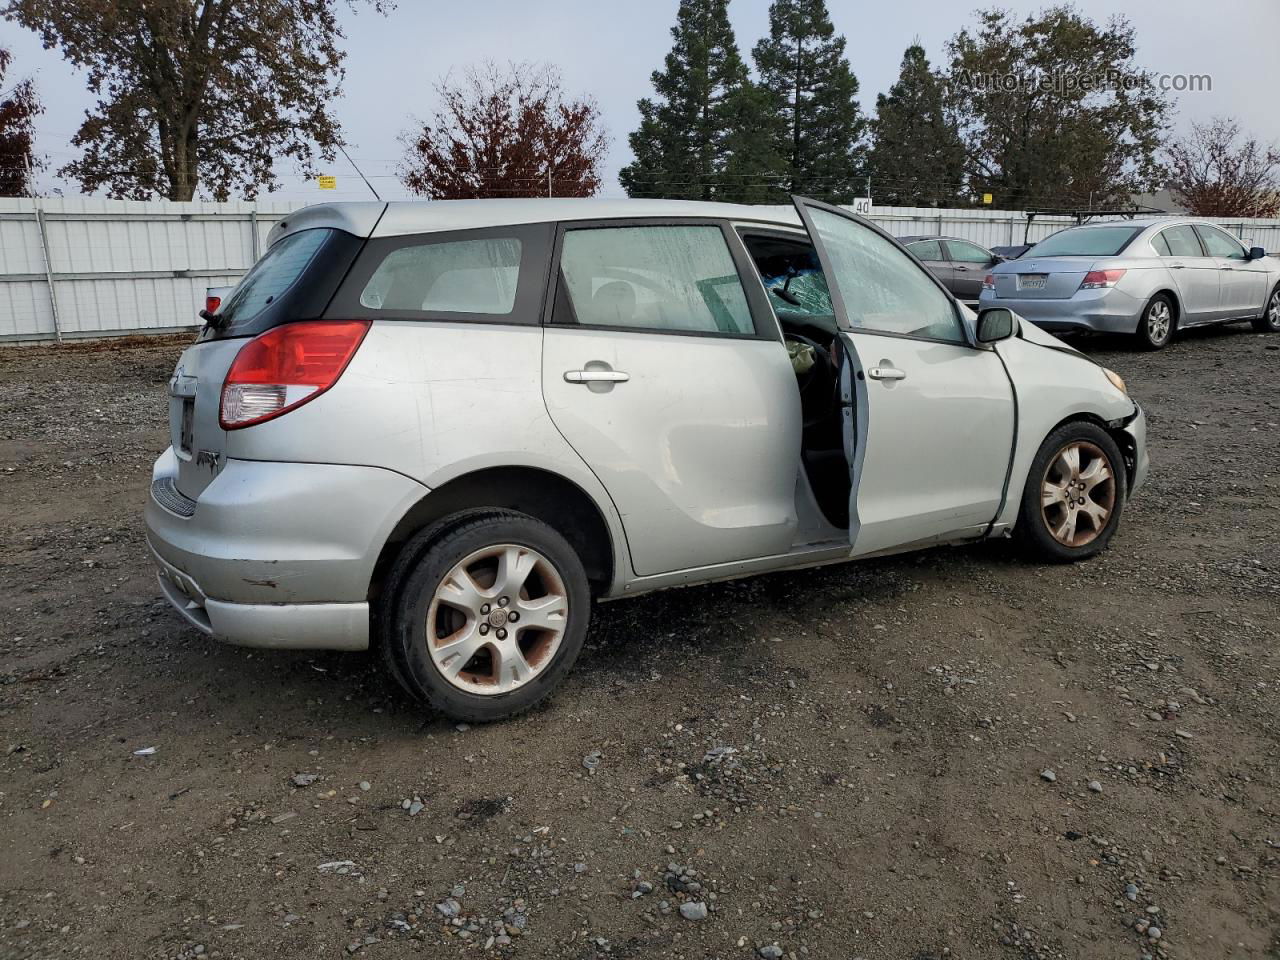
(83, 267)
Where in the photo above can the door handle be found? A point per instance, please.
(886, 373)
(596, 376)
(1227, 269)
(963, 268)
(1177, 266)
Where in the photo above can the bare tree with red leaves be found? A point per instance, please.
(18, 110)
(506, 132)
(1213, 173)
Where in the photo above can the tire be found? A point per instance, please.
(1158, 322)
(445, 600)
(1269, 322)
(1042, 524)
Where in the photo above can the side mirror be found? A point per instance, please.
(997, 258)
(994, 325)
(1256, 253)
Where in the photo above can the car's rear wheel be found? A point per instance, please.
(1158, 322)
(488, 616)
(1269, 322)
(1074, 495)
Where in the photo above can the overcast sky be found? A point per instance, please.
(608, 48)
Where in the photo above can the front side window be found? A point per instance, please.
(1084, 242)
(463, 276)
(966, 252)
(926, 249)
(1220, 244)
(679, 278)
(1181, 242)
(883, 289)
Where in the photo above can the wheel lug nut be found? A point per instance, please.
(514, 616)
(503, 601)
(502, 634)
(484, 609)
(484, 629)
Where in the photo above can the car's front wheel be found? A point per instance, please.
(1074, 495)
(1155, 329)
(488, 616)
(1269, 322)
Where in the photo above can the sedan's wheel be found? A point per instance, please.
(489, 616)
(1074, 494)
(1269, 322)
(1156, 326)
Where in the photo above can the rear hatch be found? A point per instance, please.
(1041, 278)
(294, 280)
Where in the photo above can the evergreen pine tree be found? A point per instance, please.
(812, 89)
(692, 142)
(917, 158)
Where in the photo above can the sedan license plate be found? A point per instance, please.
(187, 436)
(1032, 281)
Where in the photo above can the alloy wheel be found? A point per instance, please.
(1273, 311)
(1078, 494)
(1159, 321)
(497, 619)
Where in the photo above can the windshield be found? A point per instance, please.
(271, 276)
(1084, 242)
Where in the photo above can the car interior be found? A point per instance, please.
(789, 267)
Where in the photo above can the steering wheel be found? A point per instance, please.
(822, 371)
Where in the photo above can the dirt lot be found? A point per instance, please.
(949, 754)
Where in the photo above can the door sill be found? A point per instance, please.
(804, 555)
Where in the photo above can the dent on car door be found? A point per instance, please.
(656, 373)
(933, 424)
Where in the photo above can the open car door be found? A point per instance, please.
(929, 412)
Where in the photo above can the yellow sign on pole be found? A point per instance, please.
(987, 199)
(327, 182)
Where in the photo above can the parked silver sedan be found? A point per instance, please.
(443, 429)
(1148, 278)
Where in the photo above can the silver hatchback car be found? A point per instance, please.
(444, 429)
(1148, 278)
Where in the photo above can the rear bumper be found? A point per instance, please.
(276, 554)
(1105, 311)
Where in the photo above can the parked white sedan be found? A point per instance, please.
(461, 422)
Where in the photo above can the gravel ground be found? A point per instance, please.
(947, 754)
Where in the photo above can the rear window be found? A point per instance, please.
(1085, 242)
(462, 276)
(272, 276)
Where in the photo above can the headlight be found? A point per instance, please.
(1116, 380)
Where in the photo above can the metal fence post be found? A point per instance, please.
(253, 229)
(48, 269)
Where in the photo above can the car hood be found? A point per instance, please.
(1033, 334)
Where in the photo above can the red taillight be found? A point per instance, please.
(211, 304)
(1097, 279)
(285, 367)
(989, 282)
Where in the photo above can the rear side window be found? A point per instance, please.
(464, 276)
(1181, 242)
(272, 276)
(679, 278)
(1161, 245)
(486, 275)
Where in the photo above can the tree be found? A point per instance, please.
(812, 88)
(700, 138)
(507, 132)
(195, 93)
(917, 157)
(19, 107)
(1215, 174)
(1054, 110)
